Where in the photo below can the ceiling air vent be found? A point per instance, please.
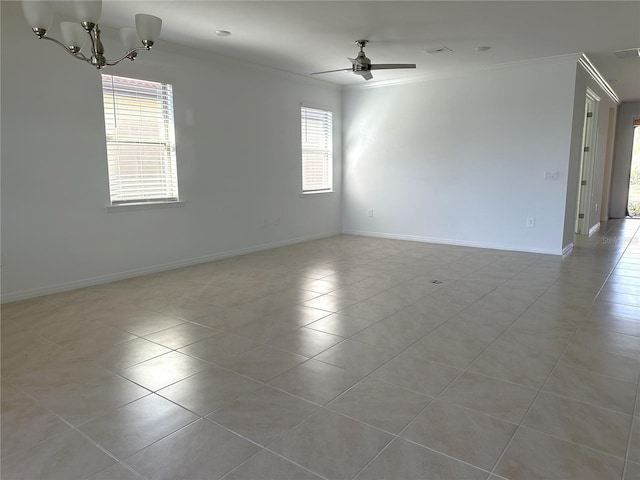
(438, 50)
(628, 53)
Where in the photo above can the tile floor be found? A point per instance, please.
(339, 358)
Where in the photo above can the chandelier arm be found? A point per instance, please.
(111, 63)
(78, 55)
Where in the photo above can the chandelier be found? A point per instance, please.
(39, 15)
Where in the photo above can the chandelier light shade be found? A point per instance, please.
(39, 16)
(87, 12)
(148, 28)
(74, 36)
(129, 38)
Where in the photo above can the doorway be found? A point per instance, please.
(589, 143)
(633, 204)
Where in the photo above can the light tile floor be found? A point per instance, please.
(345, 357)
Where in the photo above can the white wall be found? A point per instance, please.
(622, 159)
(462, 160)
(238, 136)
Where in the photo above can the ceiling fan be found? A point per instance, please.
(362, 66)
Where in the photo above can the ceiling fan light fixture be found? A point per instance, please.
(362, 66)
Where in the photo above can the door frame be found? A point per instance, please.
(587, 163)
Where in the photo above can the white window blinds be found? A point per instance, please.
(140, 140)
(317, 150)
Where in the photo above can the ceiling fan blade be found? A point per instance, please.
(354, 61)
(391, 66)
(367, 76)
(331, 71)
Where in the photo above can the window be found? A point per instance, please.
(141, 148)
(317, 150)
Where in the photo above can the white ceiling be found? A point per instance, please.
(307, 36)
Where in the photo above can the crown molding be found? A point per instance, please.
(590, 68)
(569, 58)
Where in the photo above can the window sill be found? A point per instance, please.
(317, 194)
(142, 206)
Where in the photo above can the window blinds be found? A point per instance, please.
(317, 150)
(140, 140)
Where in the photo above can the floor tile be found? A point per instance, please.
(370, 311)
(532, 454)
(66, 456)
(140, 321)
(505, 317)
(115, 472)
(136, 425)
(499, 399)
(79, 403)
(208, 390)
(608, 341)
(188, 310)
(164, 370)
(450, 346)
(330, 303)
(129, 353)
(615, 365)
(600, 390)
(580, 423)
(634, 444)
(354, 292)
(388, 336)
(180, 335)
(465, 434)
(305, 341)
(263, 415)
(266, 465)
(403, 460)
(518, 358)
(380, 404)
(25, 423)
(263, 363)
(316, 381)
(606, 323)
(197, 448)
(355, 357)
(332, 445)
(342, 325)
(422, 376)
(265, 329)
(632, 471)
(219, 348)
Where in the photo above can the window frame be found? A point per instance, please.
(163, 115)
(330, 163)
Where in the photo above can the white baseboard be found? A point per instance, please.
(448, 241)
(567, 250)
(594, 229)
(112, 277)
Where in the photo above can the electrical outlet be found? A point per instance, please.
(552, 175)
(370, 213)
(531, 222)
